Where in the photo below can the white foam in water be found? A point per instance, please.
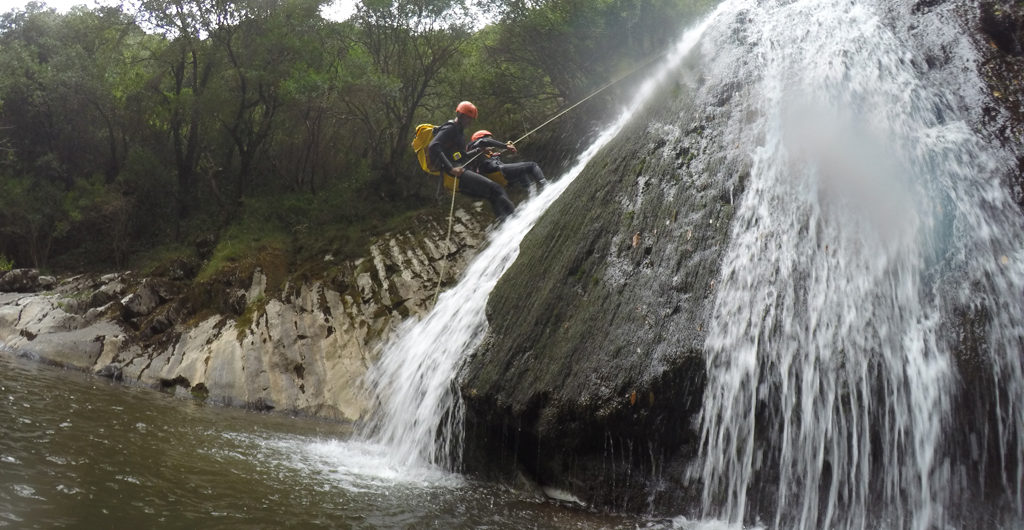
(360, 466)
(682, 523)
(352, 465)
(562, 495)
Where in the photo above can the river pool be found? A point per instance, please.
(79, 451)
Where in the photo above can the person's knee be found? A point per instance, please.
(504, 207)
(476, 185)
(500, 200)
(495, 190)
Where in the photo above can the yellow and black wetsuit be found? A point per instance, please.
(518, 173)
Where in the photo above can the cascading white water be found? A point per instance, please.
(420, 416)
(871, 215)
(872, 210)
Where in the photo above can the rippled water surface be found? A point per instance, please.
(78, 451)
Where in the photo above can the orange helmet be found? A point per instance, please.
(480, 134)
(466, 108)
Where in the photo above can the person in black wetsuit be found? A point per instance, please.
(519, 173)
(447, 149)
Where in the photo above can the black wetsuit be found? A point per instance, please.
(446, 148)
(517, 173)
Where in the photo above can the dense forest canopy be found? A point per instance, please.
(132, 131)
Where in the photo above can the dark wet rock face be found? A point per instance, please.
(1000, 22)
(592, 374)
(1000, 38)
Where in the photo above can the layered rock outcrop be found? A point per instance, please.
(301, 348)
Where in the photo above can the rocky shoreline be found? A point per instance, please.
(301, 348)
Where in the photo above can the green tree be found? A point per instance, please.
(31, 218)
(577, 45)
(402, 49)
(187, 66)
(318, 141)
(65, 81)
(112, 137)
(262, 51)
(542, 56)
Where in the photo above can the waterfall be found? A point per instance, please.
(873, 242)
(419, 415)
(873, 220)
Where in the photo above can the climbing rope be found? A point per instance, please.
(451, 212)
(447, 240)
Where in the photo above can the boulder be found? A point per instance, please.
(20, 281)
(142, 302)
(112, 289)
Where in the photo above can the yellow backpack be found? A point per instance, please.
(424, 134)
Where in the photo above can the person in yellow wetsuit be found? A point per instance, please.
(515, 173)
